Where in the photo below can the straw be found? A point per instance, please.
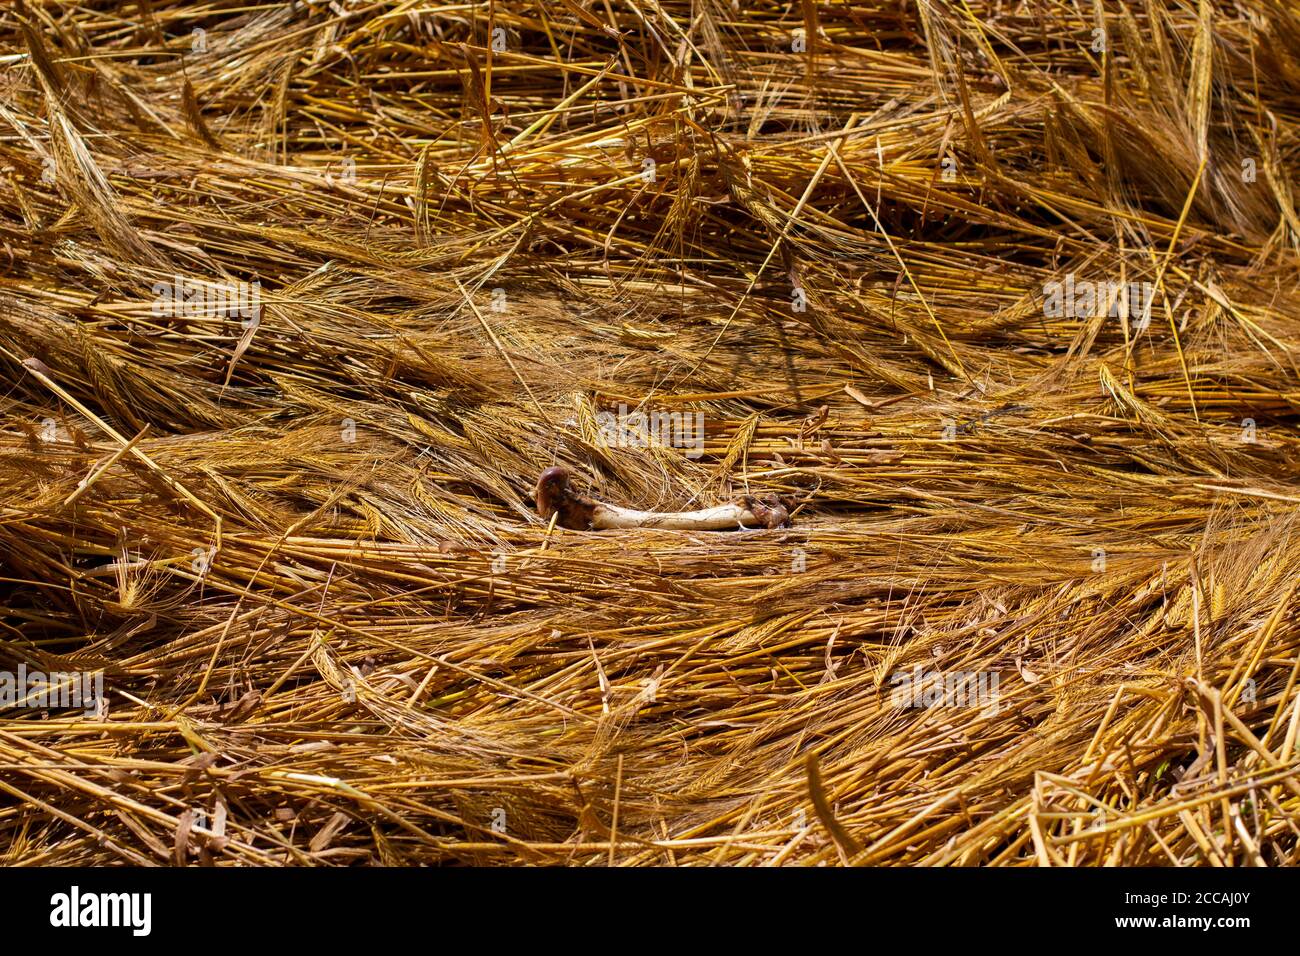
(297, 300)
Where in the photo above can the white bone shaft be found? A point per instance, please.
(706, 519)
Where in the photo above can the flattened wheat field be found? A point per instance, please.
(994, 303)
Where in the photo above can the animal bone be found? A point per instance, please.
(571, 510)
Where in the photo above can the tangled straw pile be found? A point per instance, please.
(298, 538)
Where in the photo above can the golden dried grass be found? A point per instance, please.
(389, 659)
